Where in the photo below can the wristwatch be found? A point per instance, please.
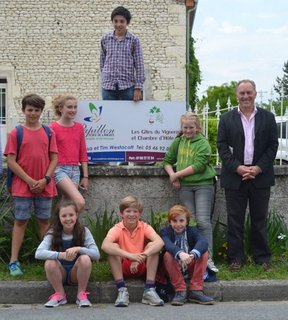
(48, 179)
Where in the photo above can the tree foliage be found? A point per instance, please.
(221, 93)
(284, 81)
(194, 74)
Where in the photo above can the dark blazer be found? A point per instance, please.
(195, 240)
(231, 141)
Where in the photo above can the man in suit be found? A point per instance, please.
(247, 143)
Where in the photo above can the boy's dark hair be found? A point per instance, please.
(121, 11)
(33, 100)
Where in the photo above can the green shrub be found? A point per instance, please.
(277, 237)
(158, 220)
(6, 221)
(99, 226)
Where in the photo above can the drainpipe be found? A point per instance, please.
(190, 15)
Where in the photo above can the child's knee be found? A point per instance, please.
(84, 260)
(20, 223)
(205, 257)
(167, 257)
(51, 265)
(43, 222)
(80, 202)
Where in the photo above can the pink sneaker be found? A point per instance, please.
(56, 300)
(82, 300)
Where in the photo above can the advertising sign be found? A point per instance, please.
(120, 131)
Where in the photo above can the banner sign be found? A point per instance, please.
(121, 131)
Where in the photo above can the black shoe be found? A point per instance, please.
(198, 296)
(179, 298)
(266, 266)
(235, 266)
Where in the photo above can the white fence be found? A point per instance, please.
(282, 124)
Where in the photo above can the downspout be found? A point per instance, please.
(190, 15)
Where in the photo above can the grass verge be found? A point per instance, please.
(101, 272)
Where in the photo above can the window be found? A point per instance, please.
(3, 85)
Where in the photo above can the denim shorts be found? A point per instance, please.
(67, 280)
(23, 207)
(72, 172)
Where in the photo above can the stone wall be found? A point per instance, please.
(51, 46)
(109, 184)
(151, 184)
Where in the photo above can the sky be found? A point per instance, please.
(241, 39)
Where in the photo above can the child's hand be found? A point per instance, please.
(38, 186)
(84, 184)
(71, 253)
(185, 259)
(32, 185)
(176, 184)
(137, 95)
(137, 257)
(134, 267)
(173, 177)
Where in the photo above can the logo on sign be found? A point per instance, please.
(95, 113)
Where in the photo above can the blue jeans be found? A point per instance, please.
(199, 200)
(126, 94)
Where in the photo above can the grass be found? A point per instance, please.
(252, 271)
(35, 272)
(101, 272)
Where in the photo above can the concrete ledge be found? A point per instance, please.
(251, 290)
(16, 292)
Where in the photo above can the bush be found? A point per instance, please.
(277, 237)
(6, 221)
(100, 226)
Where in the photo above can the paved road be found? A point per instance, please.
(271, 310)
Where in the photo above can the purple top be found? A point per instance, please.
(121, 62)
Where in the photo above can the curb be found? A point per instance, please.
(37, 292)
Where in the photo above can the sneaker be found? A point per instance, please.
(82, 300)
(212, 266)
(198, 296)
(55, 300)
(123, 298)
(15, 269)
(179, 298)
(150, 296)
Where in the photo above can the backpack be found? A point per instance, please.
(19, 129)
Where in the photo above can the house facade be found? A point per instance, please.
(50, 47)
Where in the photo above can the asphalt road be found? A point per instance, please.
(266, 310)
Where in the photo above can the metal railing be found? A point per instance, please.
(282, 123)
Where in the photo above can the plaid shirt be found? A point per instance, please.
(121, 62)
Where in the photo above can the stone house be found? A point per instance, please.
(50, 47)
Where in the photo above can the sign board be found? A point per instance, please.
(120, 131)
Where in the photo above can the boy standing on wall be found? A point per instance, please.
(121, 60)
(33, 169)
(133, 252)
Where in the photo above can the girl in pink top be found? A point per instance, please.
(72, 151)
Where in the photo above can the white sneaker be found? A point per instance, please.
(82, 300)
(123, 298)
(212, 266)
(55, 300)
(150, 296)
